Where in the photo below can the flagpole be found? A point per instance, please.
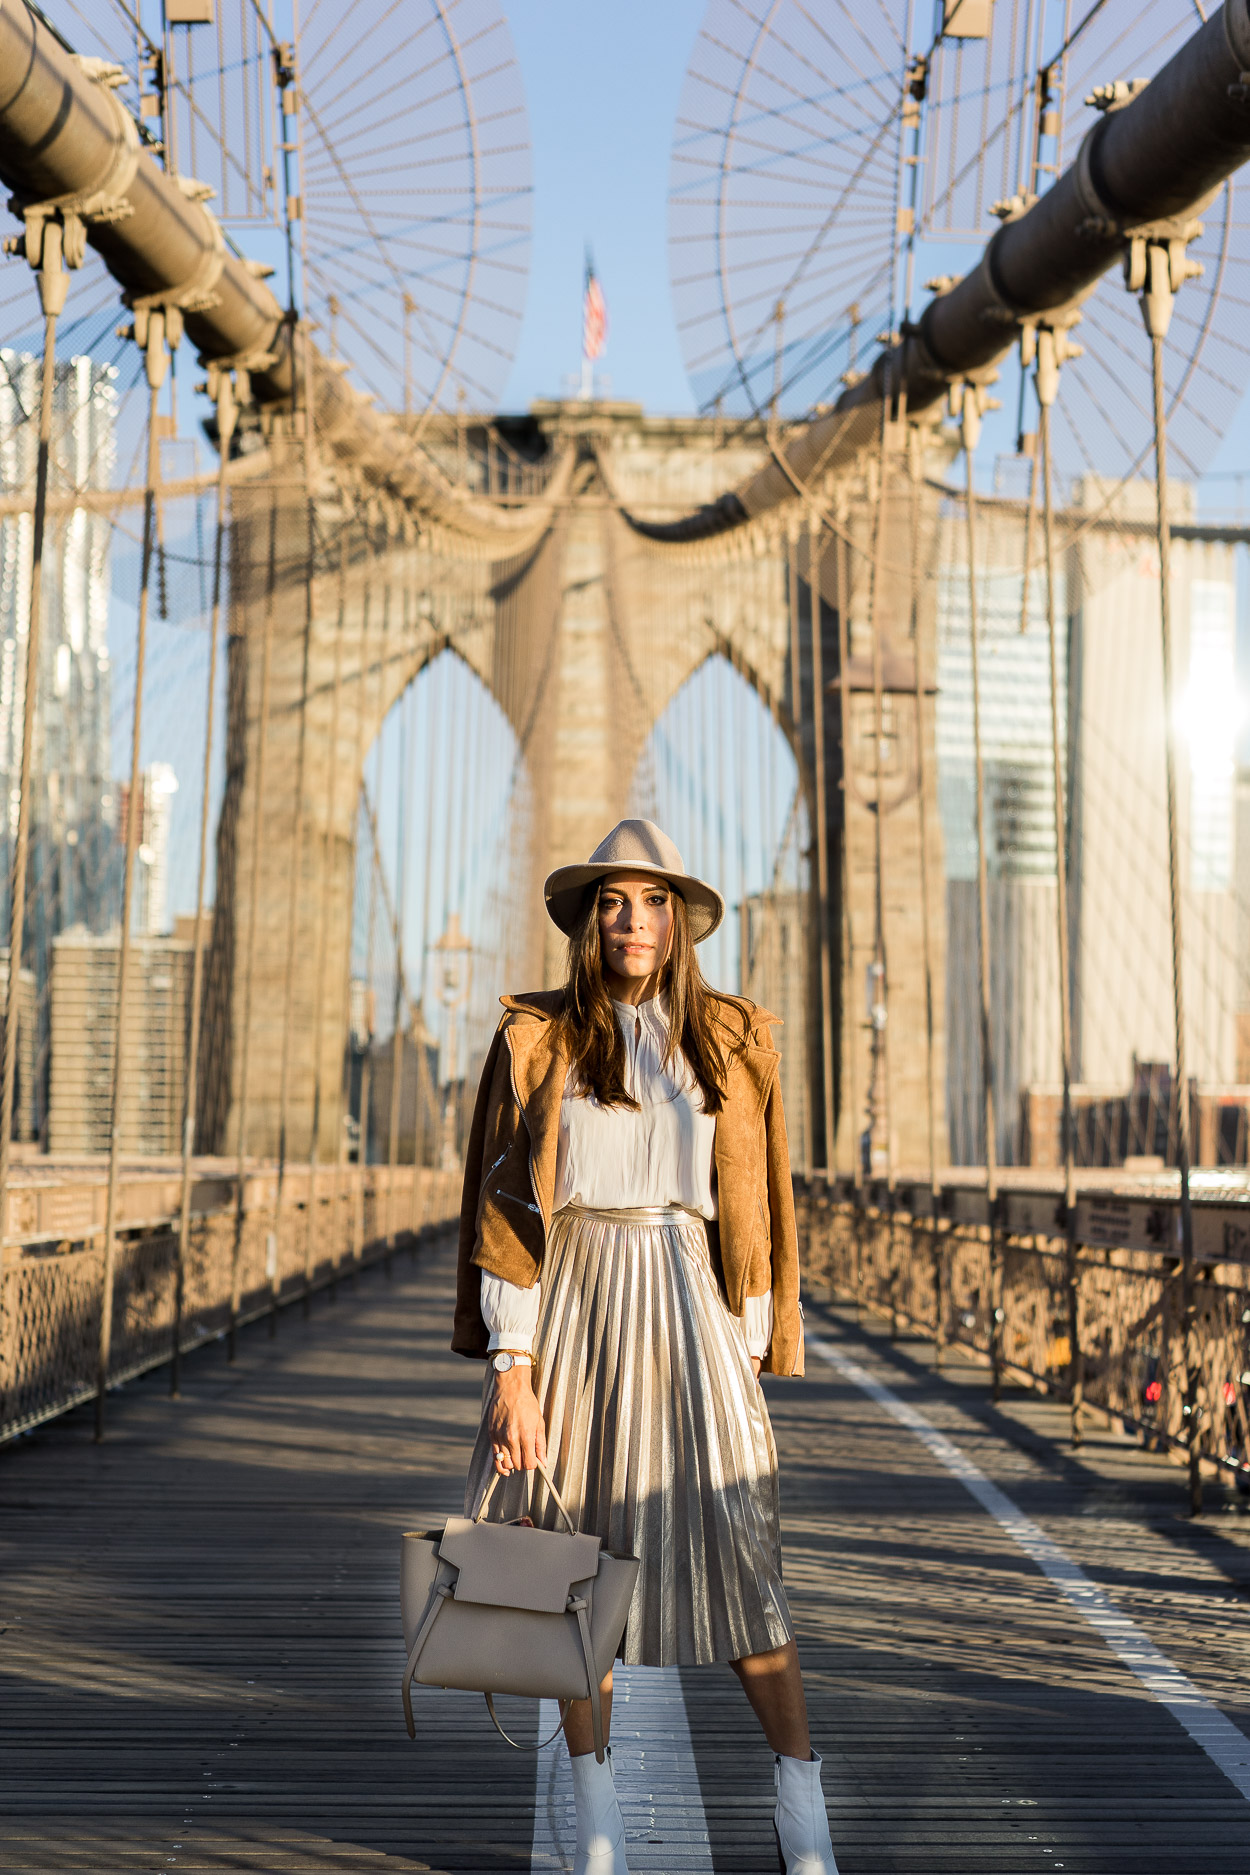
(594, 327)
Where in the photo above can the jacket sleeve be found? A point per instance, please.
(785, 1350)
(470, 1334)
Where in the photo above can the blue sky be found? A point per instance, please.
(603, 86)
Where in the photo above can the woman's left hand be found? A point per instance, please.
(755, 1365)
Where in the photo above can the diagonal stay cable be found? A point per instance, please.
(401, 280)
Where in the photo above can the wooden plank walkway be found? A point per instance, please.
(199, 1655)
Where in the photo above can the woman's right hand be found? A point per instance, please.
(518, 1436)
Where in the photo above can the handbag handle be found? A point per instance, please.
(545, 1475)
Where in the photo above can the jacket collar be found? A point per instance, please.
(540, 1066)
(546, 1005)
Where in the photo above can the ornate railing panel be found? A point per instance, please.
(1013, 1290)
(51, 1285)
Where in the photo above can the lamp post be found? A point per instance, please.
(454, 975)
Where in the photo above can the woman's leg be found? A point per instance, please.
(774, 1685)
(579, 1732)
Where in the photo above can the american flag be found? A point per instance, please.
(594, 315)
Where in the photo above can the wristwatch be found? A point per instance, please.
(503, 1362)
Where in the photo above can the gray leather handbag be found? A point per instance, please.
(505, 1608)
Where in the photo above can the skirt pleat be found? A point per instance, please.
(658, 1437)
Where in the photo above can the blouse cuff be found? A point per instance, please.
(510, 1314)
(757, 1321)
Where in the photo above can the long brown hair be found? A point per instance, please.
(592, 1035)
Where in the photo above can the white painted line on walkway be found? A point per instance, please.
(656, 1779)
(553, 1799)
(1219, 1738)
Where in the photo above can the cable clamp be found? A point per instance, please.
(108, 200)
(1110, 98)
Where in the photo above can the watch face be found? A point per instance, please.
(502, 1363)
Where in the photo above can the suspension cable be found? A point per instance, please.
(345, 1089)
(53, 291)
(848, 915)
(926, 931)
(879, 1088)
(322, 909)
(1046, 342)
(815, 628)
(226, 419)
(156, 359)
(366, 1071)
(293, 896)
(971, 427)
(407, 741)
(1158, 288)
(249, 951)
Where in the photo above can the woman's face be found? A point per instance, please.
(635, 924)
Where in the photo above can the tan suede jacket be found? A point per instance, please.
(510, 1171)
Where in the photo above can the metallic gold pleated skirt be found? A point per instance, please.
(658, 1437)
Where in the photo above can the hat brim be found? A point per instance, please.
(565, 893)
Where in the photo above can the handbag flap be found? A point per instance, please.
(508, 1566)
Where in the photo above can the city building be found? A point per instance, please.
(1112, 720)
(74, 867)
(151, 884)
(74, 870)
(83, 1022)
(25, 1105)
(1019, 827)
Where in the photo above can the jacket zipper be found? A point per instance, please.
(764, 1221)
(529, 1157)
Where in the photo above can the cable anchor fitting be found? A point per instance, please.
(1046, 348)
(1156, 266)
(969, 401)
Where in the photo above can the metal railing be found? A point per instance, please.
(52, 1266)
(1089, 1308)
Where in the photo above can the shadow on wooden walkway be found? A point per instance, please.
(199, 1661)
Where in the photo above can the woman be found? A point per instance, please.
(628, 1265)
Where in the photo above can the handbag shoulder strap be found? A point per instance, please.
(441, 1594)
(542, 1743)
(579, 1606)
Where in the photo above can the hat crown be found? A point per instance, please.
(638, 843)
(633, 846)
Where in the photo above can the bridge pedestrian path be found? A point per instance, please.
(1018, 1659)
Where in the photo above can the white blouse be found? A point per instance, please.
(613, 1157)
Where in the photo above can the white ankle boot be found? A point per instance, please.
(803, 1843)
(600, 1826)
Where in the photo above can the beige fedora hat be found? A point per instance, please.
(634, 846)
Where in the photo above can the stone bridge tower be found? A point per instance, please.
(583, 628)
